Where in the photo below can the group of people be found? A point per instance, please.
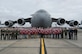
(55, 33)
(70, 33)
(8, 34)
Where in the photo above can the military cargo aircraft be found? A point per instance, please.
(41, 18)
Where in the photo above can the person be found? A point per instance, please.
(65, 33)
(62, 34)
(17, 35)
(75, 33)
(70, 33)
(12, 37)
(58, 36)
(1, 34)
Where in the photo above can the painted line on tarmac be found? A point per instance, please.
(42, 46)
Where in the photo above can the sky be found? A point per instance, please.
(15, 9)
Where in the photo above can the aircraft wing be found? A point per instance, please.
(20, 21)
(61, 21)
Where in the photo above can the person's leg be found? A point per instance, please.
(69, 36)
(75, 36)
(58, 36)
(53, 36)
(41, 35)
(1, 36)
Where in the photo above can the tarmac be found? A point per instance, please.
(32, 46)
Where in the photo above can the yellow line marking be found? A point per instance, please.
(42, 45)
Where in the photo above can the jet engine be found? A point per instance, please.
(21, 21)
(73, 23)
(9, 23)
(60, 21)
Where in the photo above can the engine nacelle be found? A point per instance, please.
(73, 23)
(21, 21)
(9, 23)
(61, 21)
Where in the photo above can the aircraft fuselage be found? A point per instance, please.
(41, 19)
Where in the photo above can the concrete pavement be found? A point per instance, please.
(61, 47)
(25, 46)
(32, 46)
